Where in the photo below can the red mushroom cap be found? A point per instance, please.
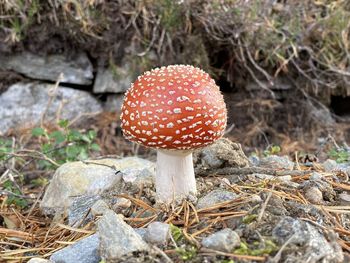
(175, 107)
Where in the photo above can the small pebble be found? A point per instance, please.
(225, 240)
(314, 195)
(39, 260)
(158, 233)
(121, 203)
(255, 199)
(214, 197)
(99, 208)
(315, 176)
(329, 165)
(344, 199)
(224, 182)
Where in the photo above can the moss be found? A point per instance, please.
(268, 247)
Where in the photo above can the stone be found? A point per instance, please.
(77, 70)
(78, 212)
(114, 103)
(91, 177)
(99, 208)
(85, 250)
(215, 197)
(39, 260)
(141, 231)
(315, 176)
(23, 104)
(254, 160)
(224, 182)
(116, 81)
(314, 189)
(117, 238)
(313, 246)
(320, 115)
(276, 162)
(77, 179)
(255, 199)
(344, 199)
(329, 165)
(314, 195)
(220, 154)
(259, 177)
(142, 173)
(225, 240)
(158, 233)
(121, 203)
(344, 167)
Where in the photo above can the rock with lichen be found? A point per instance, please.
(220, 154)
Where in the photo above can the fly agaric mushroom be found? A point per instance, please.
(174, 109)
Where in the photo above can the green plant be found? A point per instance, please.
(65, 145)
(271, 150)
(5, 148)
(256, 248)
(40, 181)
(14, 199)
(171, 15)
(249, 218)
(176, 233)
(187, 253)
(340, 155)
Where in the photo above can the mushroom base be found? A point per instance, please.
(174, 176)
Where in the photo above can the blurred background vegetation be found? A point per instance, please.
(282, 64)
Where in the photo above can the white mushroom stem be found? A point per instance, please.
(174, 176)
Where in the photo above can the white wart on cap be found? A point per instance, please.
(175, 107)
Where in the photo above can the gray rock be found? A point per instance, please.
(215, 197)
(23, 105)
(142, 232)
(142, 173)
(225, 240)
(313, 245)
(220, 154)
(117, 238)
(344, 199)
(158, 233)
(75, 71)
(320, 115)
(39, 260)
(93, 177)
(315, 189)
(344, 167)
(329, 165)
(85, 250)
(114, 103)
(120, 203)
(78, 212)
(99, 208)
(315, 176)
(314, 195)
(254, 160)
(117, 81)
(80, 178)
(259, 177)
(276, 162)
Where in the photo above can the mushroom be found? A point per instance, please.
(174, 109)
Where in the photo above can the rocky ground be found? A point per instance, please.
(256, 209)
